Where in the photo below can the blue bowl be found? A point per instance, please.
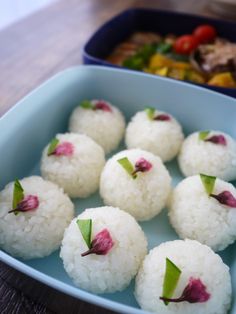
(120, 27)
(35, 120)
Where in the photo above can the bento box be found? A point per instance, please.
(120, 27)
(31, 123)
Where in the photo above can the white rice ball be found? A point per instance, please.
(113, 271)
(143, 197)
(198, 156)
(35, 233)
(104, 127)
(195, 215)
(162, 138)
(194, 260)
(79, 173)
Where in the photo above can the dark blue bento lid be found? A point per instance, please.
(120, 27)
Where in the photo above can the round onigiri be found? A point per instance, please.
(156, 132)
(201, 269)
(99, 120)
(36, 228)
(136, 181)
(114, 268)
(196, 215)
(75, 164)
(212, 153)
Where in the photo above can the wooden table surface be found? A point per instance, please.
(31, 51)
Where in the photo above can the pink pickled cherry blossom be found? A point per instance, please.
(102, 105)
(28, 203)
(101, 244)
(64, 149)
(217, 139)
(225, 198)
(142, 165)
(194, 292)
(162, 117)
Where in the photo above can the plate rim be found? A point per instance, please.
(47, 279)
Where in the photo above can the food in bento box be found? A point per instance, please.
(209, 152)
(101, 121)
(34, 214)
(203, 208)
(136, 181)
(102, 249)
(201, 57)
(183, 277)
(155, 131)
(74, 162)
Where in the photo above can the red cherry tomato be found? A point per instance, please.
(205, 33)
(185, 44)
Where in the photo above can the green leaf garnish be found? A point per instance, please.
(208, 183)
(85, 227)
(150, 112)
(86, 104)
(18, 194)
(126, 164)
(52, 146)
(203, 135)
(171, 279)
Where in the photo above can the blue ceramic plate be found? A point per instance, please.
(27, 127)
(120, 27)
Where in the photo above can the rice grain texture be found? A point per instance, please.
(195, 215)
(113, 271)
(162, 138)
(39, 232)
(105, 128)
(143, 197)
(194, 260)
(78, 174)
(197, 156)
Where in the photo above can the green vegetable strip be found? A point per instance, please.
(141, 58)
(86, 104)
(85, 226)
(126, 164)
(164, 48)
(150, 112)
(18, 194)
(203, 135)
(208, 183)
(172, 275)
(52, 146)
